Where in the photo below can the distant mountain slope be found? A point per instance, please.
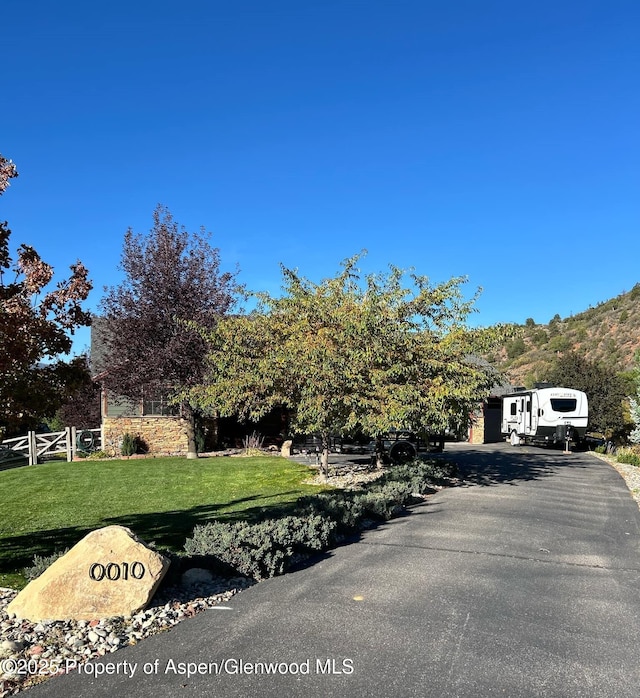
(608, 333)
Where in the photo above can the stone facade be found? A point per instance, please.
(164, 436)
(476, 431)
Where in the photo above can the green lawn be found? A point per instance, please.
(48, 507)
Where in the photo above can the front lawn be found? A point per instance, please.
(51, 506)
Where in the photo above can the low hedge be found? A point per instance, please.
(263, 549)
(266, 549)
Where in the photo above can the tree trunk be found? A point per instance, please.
(379, 452)
(324, 463)
(190, 429)
(215, 430)
(324, 460)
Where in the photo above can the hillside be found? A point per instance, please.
(608, 333)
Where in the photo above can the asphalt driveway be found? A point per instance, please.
(524, 581)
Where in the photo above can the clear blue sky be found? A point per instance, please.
(494, 139)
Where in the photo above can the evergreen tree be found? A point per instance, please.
(605, 390)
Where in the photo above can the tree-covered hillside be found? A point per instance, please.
(608, 334)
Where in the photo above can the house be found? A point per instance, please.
(159, 425)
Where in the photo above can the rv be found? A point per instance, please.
(545, 416)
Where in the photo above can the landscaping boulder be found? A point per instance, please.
(109, 572)
(195, 576)
(285, 451)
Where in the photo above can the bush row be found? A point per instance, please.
(263, 549)
(628, 455)
(268, 548)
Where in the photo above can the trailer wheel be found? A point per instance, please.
(514, 439)
(402, 451)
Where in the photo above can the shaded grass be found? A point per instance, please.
(48, 507)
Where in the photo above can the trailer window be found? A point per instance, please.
(564, 404)
(513, 408)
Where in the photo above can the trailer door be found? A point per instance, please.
(534, 413)
(522, 415)
(527, 423)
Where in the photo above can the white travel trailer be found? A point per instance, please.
(545, 416)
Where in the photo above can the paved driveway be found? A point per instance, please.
(522, 582)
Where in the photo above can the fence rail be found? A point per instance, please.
(37, 447)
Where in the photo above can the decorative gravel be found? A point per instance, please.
(351, 476)
(33, 652)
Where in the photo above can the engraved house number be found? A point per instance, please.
(114, 571)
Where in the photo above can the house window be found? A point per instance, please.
(158, 406)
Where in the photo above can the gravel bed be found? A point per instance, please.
(350, 476)
(33, 652)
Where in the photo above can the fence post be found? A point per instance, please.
(74, 441)
(33, 448)
(69, 443)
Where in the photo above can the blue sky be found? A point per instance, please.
(492, 139)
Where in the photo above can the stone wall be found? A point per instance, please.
(163, 435)
(476, 432)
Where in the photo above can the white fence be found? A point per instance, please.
(36, 447)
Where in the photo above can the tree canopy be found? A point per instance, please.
(351, 353)
(171, 277)
(36, 324)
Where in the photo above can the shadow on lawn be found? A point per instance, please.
(167, 529)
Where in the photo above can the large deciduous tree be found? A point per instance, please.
(36, 324)
(172, 277)
(351, 353)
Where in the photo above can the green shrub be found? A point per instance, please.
(421, 474)
(626, 455)
(516, 348)
(132, 444)
(340, 507)
(264, 549)
(379, 505)
(559, 343)
(97, 455)
(40, 564)
(129, 446)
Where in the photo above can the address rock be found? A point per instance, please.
(109, 572)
